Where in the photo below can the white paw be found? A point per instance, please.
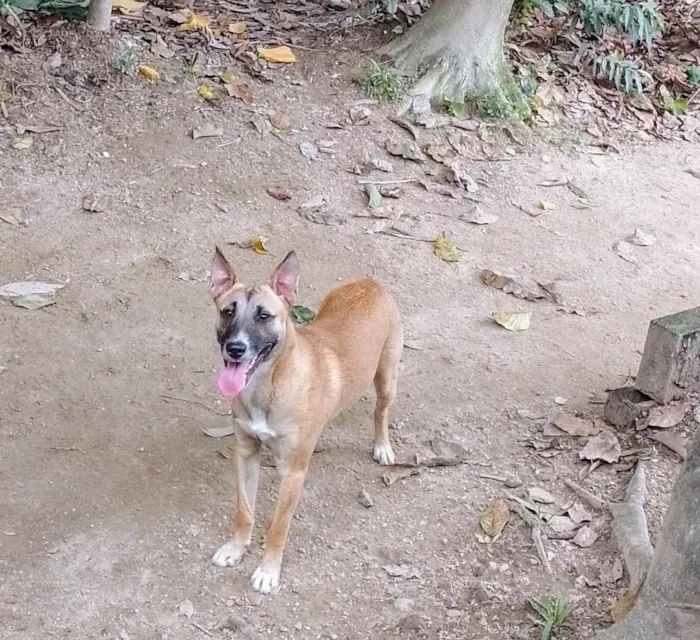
(265, 581)
(384, 454)
(229, 555)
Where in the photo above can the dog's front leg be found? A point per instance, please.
(266, 577)
(247, 468)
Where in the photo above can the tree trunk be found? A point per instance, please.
(455, 50)
(99, 14)
(668, 606)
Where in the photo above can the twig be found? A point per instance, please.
(488, 476)
(197, 402)
(67, 99)
(68, 449)
(683, 605)
(202, 629)
(593, 500)
(534, 523)
(401, 181)
(403, 236)
(695, 95)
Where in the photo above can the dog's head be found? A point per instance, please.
(252, 325)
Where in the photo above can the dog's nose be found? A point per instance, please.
(235, 350)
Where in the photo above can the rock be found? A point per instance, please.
(623, 406)
(512, 481)
(403, 604)
(364, 499)
(540, 495)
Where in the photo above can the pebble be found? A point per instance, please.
(364, 499)
(403, 604)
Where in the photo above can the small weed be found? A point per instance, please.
(554, 611)
(493, 105)
(693, 75)
(457, 109)
(640, 21)
(191, 64)
(127, 62)
(624, 74)
(384, 84)
(549, 8)
(675, 106)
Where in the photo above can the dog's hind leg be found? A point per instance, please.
(385, 383)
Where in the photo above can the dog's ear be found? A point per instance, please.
(285, 278)
(222, 276)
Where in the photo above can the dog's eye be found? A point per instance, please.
(230, 311)
(262, 314)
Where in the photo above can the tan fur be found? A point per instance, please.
(320, 369)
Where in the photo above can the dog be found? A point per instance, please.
(286, 382)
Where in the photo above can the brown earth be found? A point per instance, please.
(112, 501)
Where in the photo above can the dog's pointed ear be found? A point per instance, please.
(285, 278)
(222, 275)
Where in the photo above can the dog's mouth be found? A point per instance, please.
(236, 374)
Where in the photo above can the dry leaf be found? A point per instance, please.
(277, 54)
(545, 205)
(16, 289)
(577, 512)
(13, 217)
(522, 290)
(239, 28)
(257, 244)
(526, 208)
(281, 121)
(540, 495)
(128, 6)
(218, 432)
(575, 426)
(641, 239)
(663, 417)
(22, 142)
(404, 571)
(397, 472)
(197, 23)
(478, 216)
(605, 446)
(513, 321)
(206, 91)
(446, 250)
(208, 130)
(406, 150)
(562, 526)
(33, 301)
(495, 518)
(159, 48)
(241, 90)
(625, 251)
(308, 149)
(675, 442)
(149, 72)
(279, 193)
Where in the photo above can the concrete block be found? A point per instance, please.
(625, 405)
(671, 360)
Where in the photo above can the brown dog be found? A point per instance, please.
(287, 382)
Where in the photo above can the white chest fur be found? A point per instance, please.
(256, 426)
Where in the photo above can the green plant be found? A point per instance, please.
(383, 83)
(554, 611)
(693, 75)
(127, 62)
(548, 7)
(640, 21)
(675, 106)
(625, 74)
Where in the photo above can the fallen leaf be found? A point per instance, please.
(257, 244)
(186, 608)
(495, 518)
(218, 432)
(562, 526)
(663, 417)
(575, 426)
(261, 123)
(241, 90)
(556, 182)
(277, 54)
(15, 289)
(675, 442)
(446, 250)
(281, 121)
(391, 192)
(540, 495)
(577, 512)
(375, 198)
(625, 251)
(448, 448)
(605, 446)
(128, 6)
(206, 91)
(149, 73)
(308, 149)
(440, 152)
(239, 28)
(160, 49)
(545, 205)
(279, 193)
(396, 472)
(208, 130)
(316, 210)
(13, 217)
(641, 239)
(33, 301)
(22, 142)
(93, 203)
(526, 208)
(478, 216)
(406, 150)
(404, 571)
(302, 315)
(513, 321)
(522, 290)
(197, 23)
(588, 534)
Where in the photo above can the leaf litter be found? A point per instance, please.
(446, 249)
(520, 289)
(495, 518)
(664, 417)
(605, 446)
(515, 321)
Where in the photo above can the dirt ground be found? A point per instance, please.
(112, 500)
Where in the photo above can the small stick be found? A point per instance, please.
(202, 629)
(593, 500)
(683, 605)
(404, 236)
(68, 449)
(197, 402)
(488, 476)
(67, 99)
(401, 181)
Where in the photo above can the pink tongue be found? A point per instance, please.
(232, 379)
